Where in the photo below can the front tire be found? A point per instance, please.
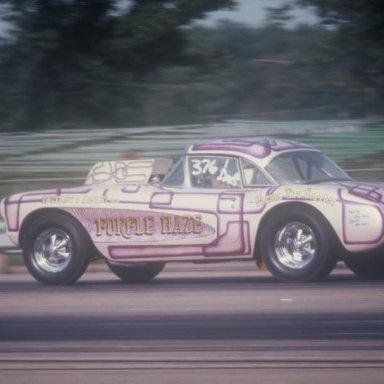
(295, 245)
(136, 273)
(55, 249)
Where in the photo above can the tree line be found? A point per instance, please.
(72, 63)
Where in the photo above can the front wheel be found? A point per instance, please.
(55, 249)
(136, 273)
(295, 245)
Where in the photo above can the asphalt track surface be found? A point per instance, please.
(218, 323)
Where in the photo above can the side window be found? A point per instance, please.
(252, 175)
(217, 172)
(176, 176)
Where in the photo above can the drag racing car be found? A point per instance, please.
(281, 203)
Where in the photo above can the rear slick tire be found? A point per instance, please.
(136, 273)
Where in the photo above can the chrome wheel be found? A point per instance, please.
(295, 245)
(52, 250)
(56, 248)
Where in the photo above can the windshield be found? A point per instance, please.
(304, 167)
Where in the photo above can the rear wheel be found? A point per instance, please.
(136, 273)
(295, 245)
(55, 249)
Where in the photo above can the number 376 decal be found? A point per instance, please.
(210, 166)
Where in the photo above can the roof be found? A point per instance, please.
(256, 147)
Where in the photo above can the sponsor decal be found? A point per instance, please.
(307, 194)
(71, 199)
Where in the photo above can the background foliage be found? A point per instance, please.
(83, 63)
